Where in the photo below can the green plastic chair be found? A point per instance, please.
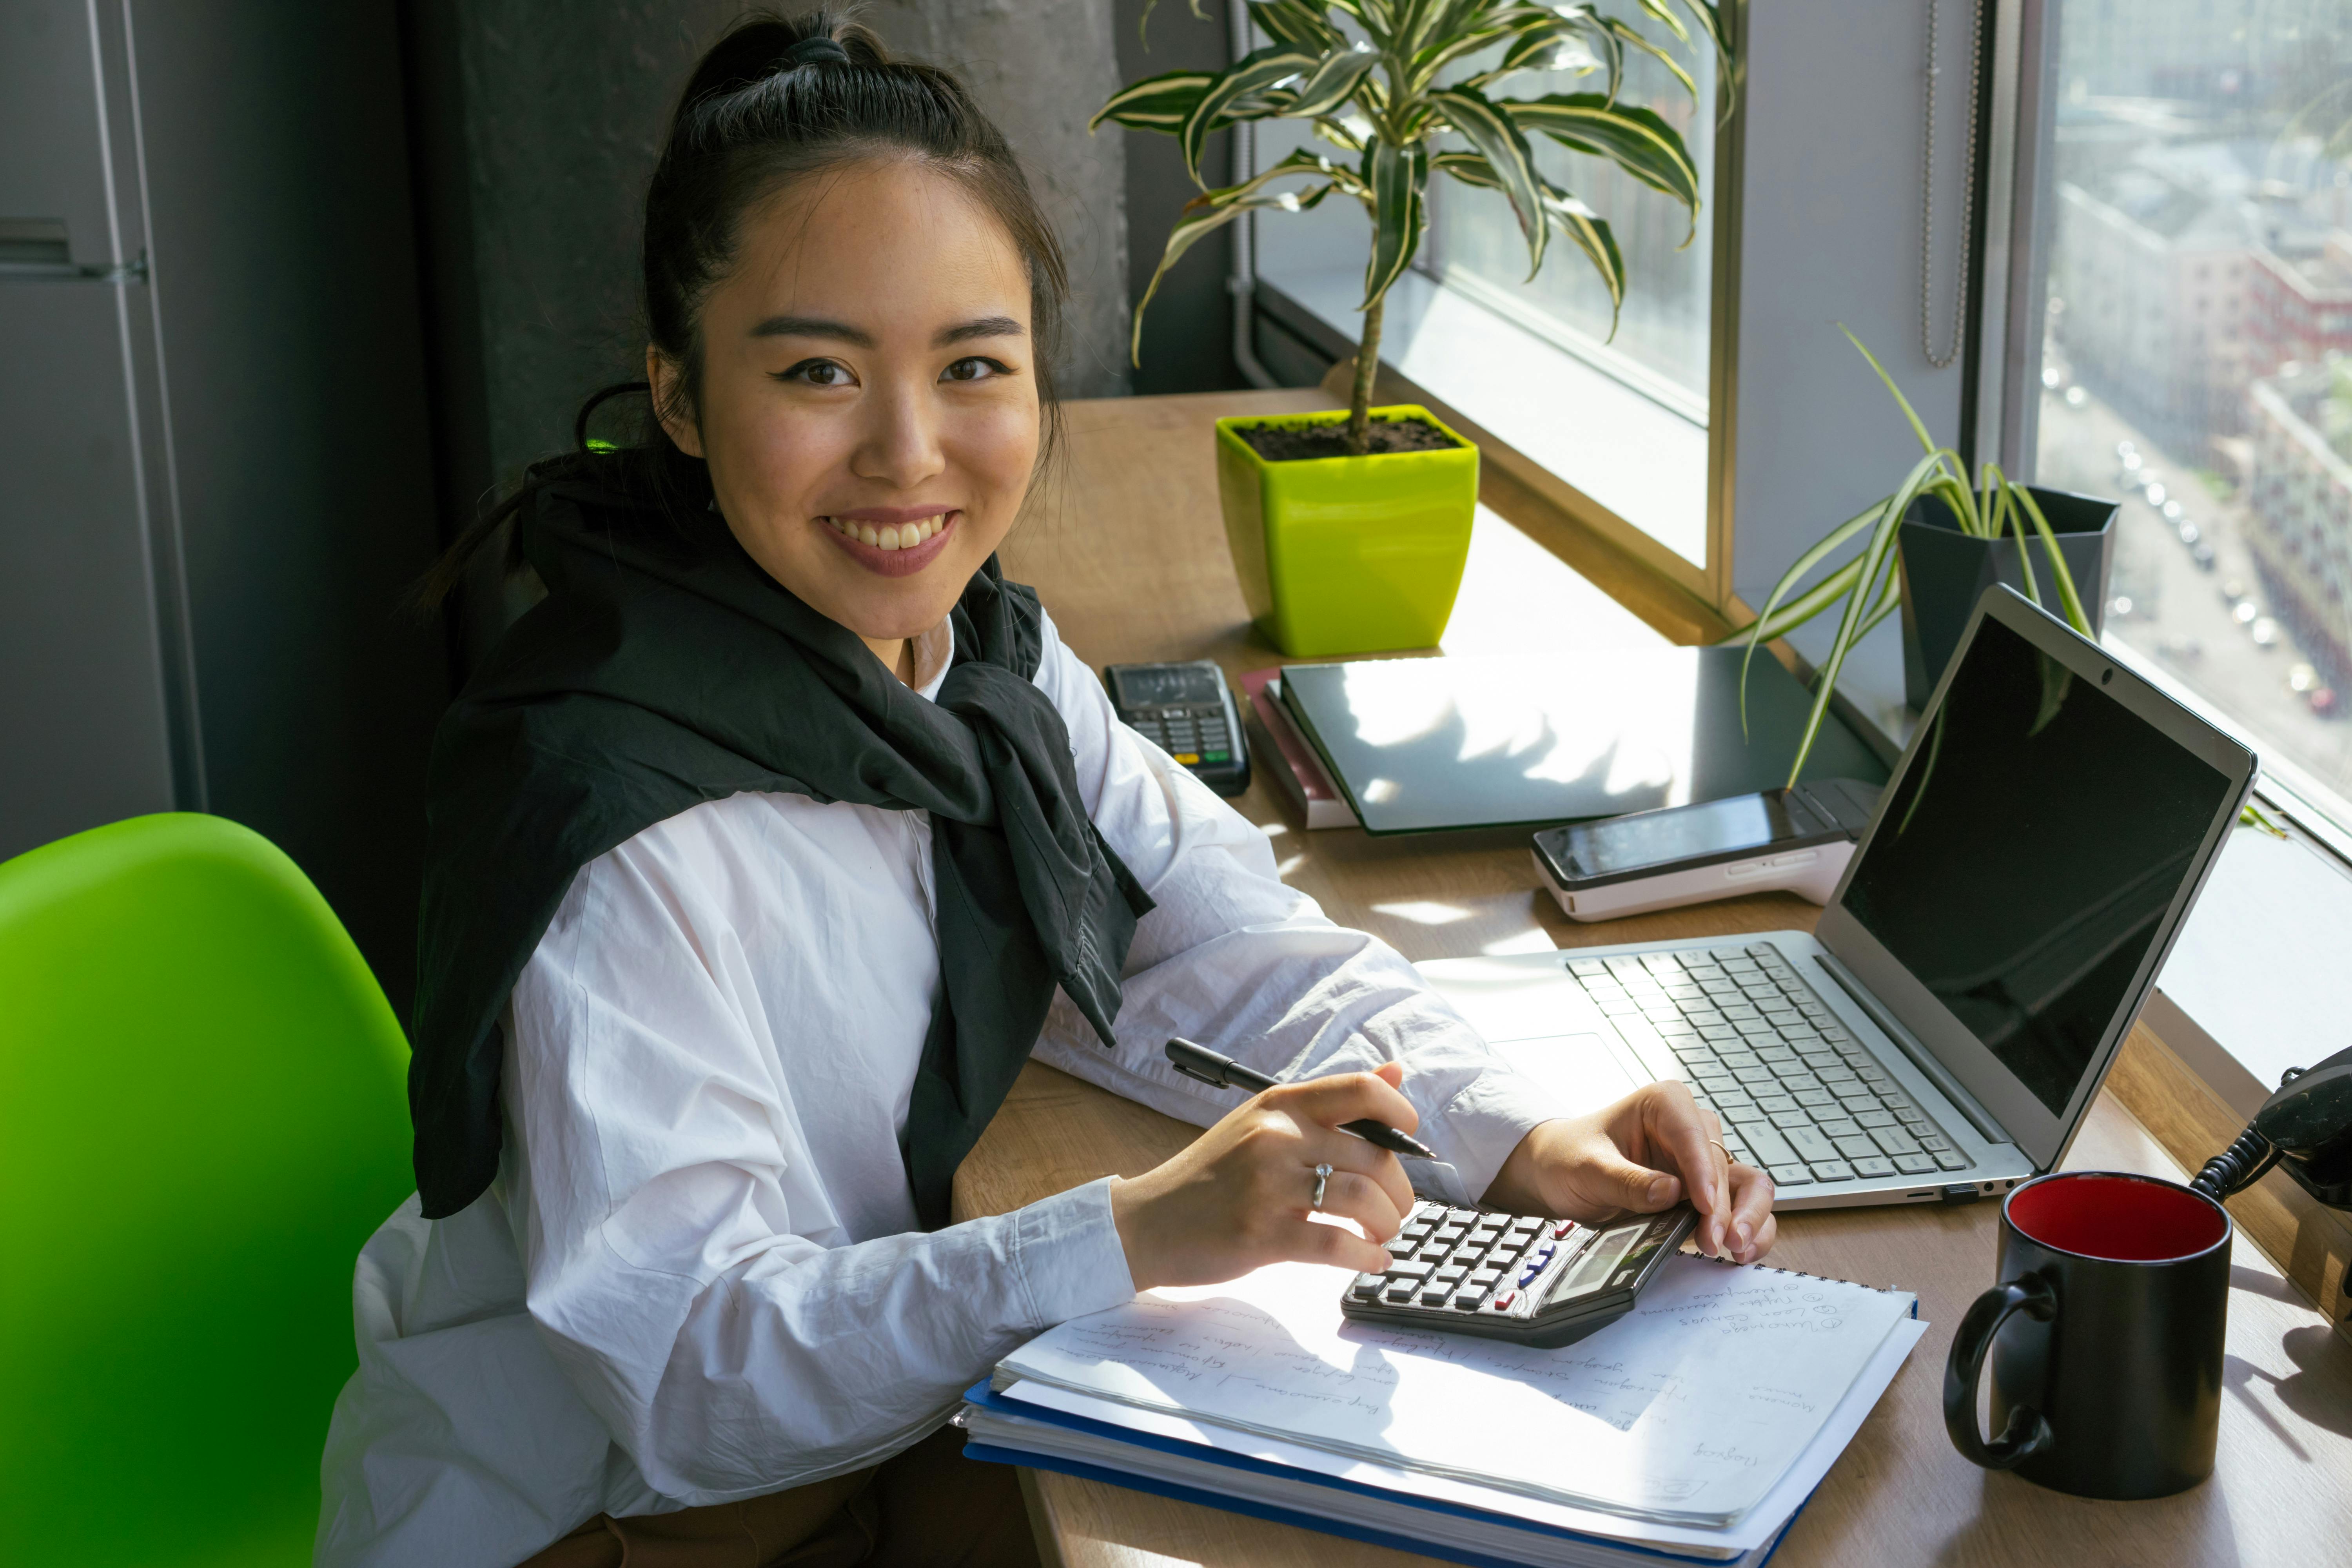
(201, 1120)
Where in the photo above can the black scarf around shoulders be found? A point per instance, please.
(665, 669)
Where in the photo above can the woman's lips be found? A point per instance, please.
(892, 548)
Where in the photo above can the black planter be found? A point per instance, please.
(1945, 572)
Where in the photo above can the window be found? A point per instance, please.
(1620, 428)
(2195, 136)
(1662, 341)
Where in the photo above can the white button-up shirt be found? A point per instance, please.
(698, 1277)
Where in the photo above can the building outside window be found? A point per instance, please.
(2198, 358)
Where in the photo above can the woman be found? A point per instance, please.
(764, 850)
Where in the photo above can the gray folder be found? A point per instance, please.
(1421, 744)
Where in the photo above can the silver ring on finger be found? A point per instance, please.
(1322, 1178)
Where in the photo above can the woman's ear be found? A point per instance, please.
(662, 374)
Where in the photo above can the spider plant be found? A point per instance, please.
(1371, 78)
(1868, 583)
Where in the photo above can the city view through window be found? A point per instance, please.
(2198, 361)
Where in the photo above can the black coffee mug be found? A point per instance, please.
(2114, 1289)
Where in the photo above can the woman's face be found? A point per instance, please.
(868, 405)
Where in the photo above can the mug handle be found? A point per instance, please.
(2027, 1434)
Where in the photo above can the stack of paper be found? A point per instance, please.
(1695, 1426)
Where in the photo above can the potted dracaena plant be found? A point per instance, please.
(1349, 530)
(1931, 548)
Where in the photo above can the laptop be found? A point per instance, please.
(1940, 1034)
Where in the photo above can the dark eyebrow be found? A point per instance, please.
(812, 327)
(985, 327)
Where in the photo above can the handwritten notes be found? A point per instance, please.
(1688, 1409)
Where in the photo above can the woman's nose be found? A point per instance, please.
(901, 443)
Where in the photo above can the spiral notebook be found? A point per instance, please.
(1688, 1411)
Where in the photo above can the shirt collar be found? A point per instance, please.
(934, 651)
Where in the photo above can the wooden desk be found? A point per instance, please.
(1129, 556)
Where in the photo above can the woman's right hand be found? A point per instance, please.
(1239, 1196)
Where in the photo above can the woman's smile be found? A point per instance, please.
(893, 541)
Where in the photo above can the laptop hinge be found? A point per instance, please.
(1921, 1058)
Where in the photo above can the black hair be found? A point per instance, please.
(777, 99)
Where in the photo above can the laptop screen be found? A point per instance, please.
(2026, 859)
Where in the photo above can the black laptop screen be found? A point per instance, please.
(2028, 855)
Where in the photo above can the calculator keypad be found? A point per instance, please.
(1460, 1260)
(1190, 732)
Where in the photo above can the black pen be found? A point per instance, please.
(1223, 1072)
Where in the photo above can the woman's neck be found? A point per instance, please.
(896, 654)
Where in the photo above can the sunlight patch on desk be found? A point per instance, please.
(1422, 912)
(1536, 941)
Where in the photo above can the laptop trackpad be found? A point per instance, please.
(1579, 1072)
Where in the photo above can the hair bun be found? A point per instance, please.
(810, 51)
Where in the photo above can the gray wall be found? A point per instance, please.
(286, 281)
(1188, 334)
(563, 106)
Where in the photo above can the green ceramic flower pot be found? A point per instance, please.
(1341, 555)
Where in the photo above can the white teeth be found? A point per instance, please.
(889, 536)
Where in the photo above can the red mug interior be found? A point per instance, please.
(2125, 1219)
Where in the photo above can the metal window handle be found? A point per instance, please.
(37, 250)
(132, 271)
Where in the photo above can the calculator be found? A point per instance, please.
(1541, 1282)
(1188, 712)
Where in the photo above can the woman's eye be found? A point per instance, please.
(818, 373)
(976, 368)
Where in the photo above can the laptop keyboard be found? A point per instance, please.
(1797, 1096)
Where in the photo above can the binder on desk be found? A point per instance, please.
(1693, 1428)
(1417, 745)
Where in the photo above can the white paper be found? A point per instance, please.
(1759, 1525)
(1689, 1409)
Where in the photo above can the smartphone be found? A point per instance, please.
(1799, 838)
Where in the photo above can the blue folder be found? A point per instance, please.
(1433, 1544)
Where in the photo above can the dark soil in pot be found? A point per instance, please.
(1300, 443)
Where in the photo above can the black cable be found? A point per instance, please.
(2237, 1167)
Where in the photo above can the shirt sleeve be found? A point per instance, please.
(682, 1258)
(1237, 960)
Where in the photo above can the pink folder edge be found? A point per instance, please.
(1310, 784)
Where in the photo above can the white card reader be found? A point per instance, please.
(1799, 838)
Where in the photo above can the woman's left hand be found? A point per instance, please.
(1647, 1152)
